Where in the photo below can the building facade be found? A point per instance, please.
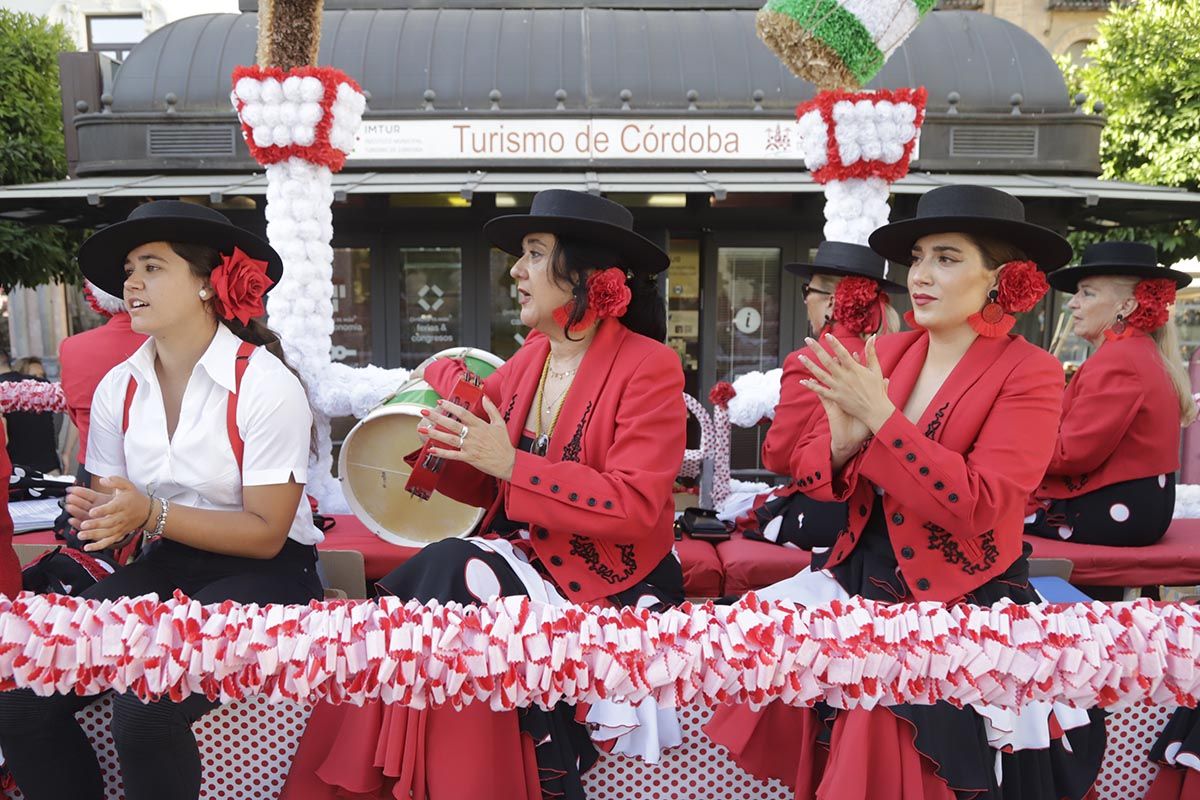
(1064, 27)
(674, 108)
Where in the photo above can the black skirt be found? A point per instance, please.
(1129, 514)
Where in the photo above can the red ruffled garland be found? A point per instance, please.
(512, 652)
(834, 169)
(320, 151)
(31, 395)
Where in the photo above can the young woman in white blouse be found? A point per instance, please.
(199, 441)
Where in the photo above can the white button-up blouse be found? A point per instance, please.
(196, 467)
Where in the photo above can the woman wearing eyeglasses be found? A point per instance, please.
(846, 295)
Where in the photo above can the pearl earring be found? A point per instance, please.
(203, 295)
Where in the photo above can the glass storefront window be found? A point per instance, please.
(432, 301)
(748, 291)
(747, 310)
(351, 306)
(683, 309)
(508, 333)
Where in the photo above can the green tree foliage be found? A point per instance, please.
(1145, 68)
(33, 149)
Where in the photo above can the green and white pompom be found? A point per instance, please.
(838, 44)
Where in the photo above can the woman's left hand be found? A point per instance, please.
(109, 524)
(857, 388)
(482, 444)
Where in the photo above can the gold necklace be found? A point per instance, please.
(541, 442)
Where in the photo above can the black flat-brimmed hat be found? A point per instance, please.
(582, 216)
(848, 260)
(978, 210)
(102, 256)
(1134, 259)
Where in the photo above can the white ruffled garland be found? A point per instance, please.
(105, 302)
(513, 652)
(32, 395)
(287, 115)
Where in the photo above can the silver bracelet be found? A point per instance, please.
(164, 505)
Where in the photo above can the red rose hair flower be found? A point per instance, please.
(1154, 298)
(608, 295)
(722, 393)
(1021, 286)
(240, 283)
(858, 304)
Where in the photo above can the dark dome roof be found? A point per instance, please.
(659, 56)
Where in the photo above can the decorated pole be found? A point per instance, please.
(300, 121)
(857, 143)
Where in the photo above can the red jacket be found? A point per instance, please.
(86, 358)
(797, 405)
(599, 503)
(1120, 421)
(955, 482)
(10, 566)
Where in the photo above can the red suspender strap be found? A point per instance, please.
(245, 350)
(130, 391)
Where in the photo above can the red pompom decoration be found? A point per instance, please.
(858, 304)
(721, 393)
(1154, 298)
(1021, 286)
(240, 283)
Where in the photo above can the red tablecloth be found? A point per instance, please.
(702, 574)
(741, 565)
(751, 564)
(1173, 561)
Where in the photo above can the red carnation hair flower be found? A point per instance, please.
(858, 304)
(1021, 286)
(608, 295)
(1154, 298)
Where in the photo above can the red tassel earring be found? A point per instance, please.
(1118, 330)
(563, 313)
(992, 320)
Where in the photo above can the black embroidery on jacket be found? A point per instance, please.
(1079, 483)
(585, 549)
(941, 539)
(573, 448)
(936, 422)
(512, 401)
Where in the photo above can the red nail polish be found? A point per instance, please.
(424, 412)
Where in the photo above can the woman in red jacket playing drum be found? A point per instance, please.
(1112, 478)
(934, 440)
(573, 452)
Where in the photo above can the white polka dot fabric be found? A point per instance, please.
(247, 748)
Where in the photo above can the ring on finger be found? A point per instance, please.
(462, 436)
